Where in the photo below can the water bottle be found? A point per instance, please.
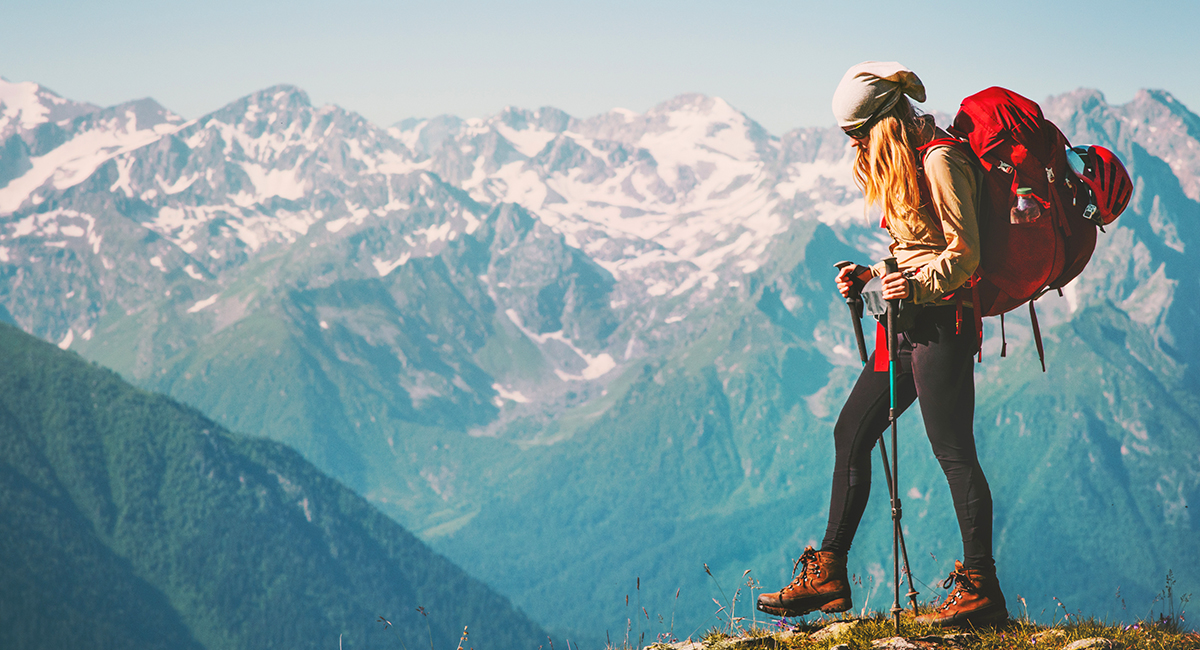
(1027, 209)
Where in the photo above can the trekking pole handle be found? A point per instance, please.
(855, 280)
(856, 283)
(890, 266)
(855, 302)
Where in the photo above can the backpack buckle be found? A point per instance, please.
(1050, 175)
(1090, 213)
(1004, 167)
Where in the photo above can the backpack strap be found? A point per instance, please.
(972, 283)
(977, 310)
(961, 145)
(1037, 336)
(923, 151)
(948, 141)
(1003, 339)
(1060, 212)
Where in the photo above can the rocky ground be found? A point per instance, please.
(878, 633)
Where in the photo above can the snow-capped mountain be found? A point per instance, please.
(268, 167)
(673, 196)
(51, 143)
(25, 106)
(673, 205)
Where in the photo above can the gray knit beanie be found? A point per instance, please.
(873, 88)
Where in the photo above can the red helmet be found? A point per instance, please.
(1103, 173)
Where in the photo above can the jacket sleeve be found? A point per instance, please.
(954, 192)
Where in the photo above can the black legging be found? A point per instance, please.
(937, 367)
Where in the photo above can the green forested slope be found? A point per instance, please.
(1095, 463)
(129, 520)
(1092, 466)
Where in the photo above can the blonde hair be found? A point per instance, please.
(886, 167)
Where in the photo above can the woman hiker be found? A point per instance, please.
(935, 240)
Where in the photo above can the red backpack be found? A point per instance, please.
(1023, 156)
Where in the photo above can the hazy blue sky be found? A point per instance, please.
(776, 61)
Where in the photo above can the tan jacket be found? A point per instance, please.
(941, 244)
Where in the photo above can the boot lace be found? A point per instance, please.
(962, 583)
(810, 566)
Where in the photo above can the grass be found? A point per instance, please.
(1014, 635)
(1167, 631)
(1164, 630)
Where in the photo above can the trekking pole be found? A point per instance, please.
(893, 359)
(855, 303)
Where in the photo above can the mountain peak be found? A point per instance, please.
(546, 118)
(24, 105)
(1085, 97)
(1154, 102)
(282, 96)
(263, 110)
(692, 103)
(1156, 95)
(144, 113)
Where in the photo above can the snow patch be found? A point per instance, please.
(512, 395)
(203, 303)
(73, 161)
(274, 182)
(356, 217)
(385, 268)
(56, 223)
(659, 288)
(440, 232)
(22, 103)
(597, 366)
(180, 184)
(124, 164)
(529, 142)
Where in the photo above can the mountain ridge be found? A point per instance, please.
(229, 542)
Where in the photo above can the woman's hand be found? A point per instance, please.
(895, 286)
(846, 280)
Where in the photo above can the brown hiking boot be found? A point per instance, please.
(976, 600)
(820, 584)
